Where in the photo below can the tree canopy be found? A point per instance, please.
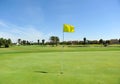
(5, 42)
(54, 40)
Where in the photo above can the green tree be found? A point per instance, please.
(5, 42)
(101, 41)
(1, 42)
(54, 40)
(28, 43)
(9, 41)
(107, 41)
(19, 41)
(38, 41)
(84, 40)
(43, 41)
(24, 42)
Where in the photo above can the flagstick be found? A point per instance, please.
(61, 70)
(66, 28)
(63, 39)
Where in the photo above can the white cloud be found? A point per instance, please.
(15, 32)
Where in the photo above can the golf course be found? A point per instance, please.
(59, 65)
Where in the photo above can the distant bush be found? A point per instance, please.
(5, 42)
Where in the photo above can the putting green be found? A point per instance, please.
(39, 65)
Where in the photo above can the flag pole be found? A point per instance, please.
(66, 28)
(63, 38)
(61, 68)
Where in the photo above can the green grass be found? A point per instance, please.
(42, 65)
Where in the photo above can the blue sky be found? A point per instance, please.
(40, 19)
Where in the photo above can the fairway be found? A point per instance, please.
(42, 65)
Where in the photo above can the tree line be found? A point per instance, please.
(99, 42)
(55, 41)
(5, 42)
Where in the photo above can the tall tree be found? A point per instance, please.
(43, 41)
(19, 41)
(9, 41)
(54, 40)
(57, 40)
(84, 40)
(28, 43)
(5, 42)
(1, 42)
(101, 41)
(38, 41)
(24, 42)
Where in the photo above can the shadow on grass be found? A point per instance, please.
(40, 72)
(44, 72)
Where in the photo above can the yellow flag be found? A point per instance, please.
(68, 28)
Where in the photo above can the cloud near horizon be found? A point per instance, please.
(15, 32)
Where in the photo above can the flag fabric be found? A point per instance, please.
(68, 28)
